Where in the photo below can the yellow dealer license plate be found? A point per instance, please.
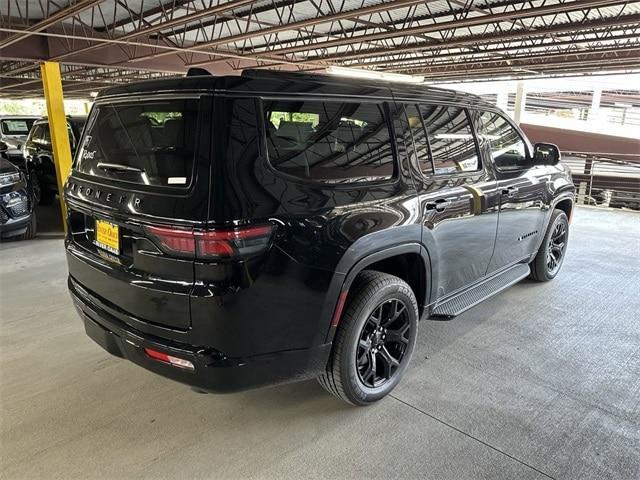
(107, 236)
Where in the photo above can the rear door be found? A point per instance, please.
(521, 186)
(141, 164)
(457, 196)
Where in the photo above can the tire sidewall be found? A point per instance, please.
(560, 217)
(364, 395)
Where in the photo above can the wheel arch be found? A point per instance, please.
(409, 261)
(564, 202)
(566, 205)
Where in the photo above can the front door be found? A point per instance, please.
(521, 186)
(458, 197)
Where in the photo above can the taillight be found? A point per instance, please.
(212, 244)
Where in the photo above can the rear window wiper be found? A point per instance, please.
(117, 167)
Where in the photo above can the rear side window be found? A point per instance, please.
(453, 147)
(16, 126)
(419, 136)
(148, 143)
(333, 142)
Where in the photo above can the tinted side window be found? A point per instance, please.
(507, 146)
(419, 139)
(36, 134)
(334, 142)
(45, 136)
(451, 139)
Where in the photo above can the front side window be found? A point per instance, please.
(508, 149)
(453, 147)
(333, 142)
(148, 143)
(36, 134)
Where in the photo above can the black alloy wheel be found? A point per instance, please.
(383, 343)
(550, 256)
(374, 341)
(556, 247)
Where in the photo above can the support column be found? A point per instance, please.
(502, 99)
(521, 100)
(594, 111)
(52, 84)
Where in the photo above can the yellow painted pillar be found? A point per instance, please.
(52, 84)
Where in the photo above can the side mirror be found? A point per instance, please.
(546, 154)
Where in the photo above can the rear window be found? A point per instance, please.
(333, 142)
(16, 126)
(148, 143)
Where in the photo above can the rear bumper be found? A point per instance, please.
(213, 370)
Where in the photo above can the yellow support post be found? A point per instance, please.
(52, 84)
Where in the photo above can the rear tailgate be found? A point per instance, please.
(140, 163)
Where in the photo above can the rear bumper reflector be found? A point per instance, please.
(163, 357)
(338, 313)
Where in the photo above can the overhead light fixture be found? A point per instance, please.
(373, 75)
(93, 94)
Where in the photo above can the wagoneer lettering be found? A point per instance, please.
(236, 232)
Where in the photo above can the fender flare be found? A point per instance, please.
(567, 195)
(341, 282)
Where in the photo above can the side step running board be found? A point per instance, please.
(463, 301)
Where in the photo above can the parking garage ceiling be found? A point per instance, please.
(103, 42)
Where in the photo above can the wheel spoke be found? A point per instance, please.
(389, 364)
(397, 336)
(376, 315)
(380, 349)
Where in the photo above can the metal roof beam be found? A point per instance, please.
(611, 56)
(170, 5)
(503, 50)
(62, 14)
(165, 25)
(461, 23)
(632, 20)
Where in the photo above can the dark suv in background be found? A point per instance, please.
(38, 155)
(235, 232)
(17, 215)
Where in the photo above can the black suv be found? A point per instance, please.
(17, 216)
(38, 155)
(233, 232)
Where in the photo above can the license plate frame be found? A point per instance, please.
(107, 236)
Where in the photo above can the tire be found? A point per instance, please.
(551, 253)
(36, 189)
(31, 229)
(351, 373)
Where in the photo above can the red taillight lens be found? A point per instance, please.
(174, 240)
(163, 357)
(211, 244)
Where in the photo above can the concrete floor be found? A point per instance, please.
(542, 381)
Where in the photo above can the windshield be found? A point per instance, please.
(148, 143)
(16, 126)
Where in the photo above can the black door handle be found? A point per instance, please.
(510, 191)
(439, 205)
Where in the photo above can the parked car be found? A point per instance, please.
(235, 232)
(17, 216)
(14, 130)
(38, 154)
